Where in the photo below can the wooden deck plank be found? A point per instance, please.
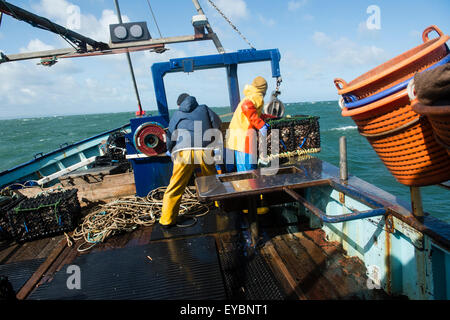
(281, 273)
(45, 252)
(318, 237)
(31, 283)
(30, 250)
(308, 274)
(332, 267)
(8, 251)
(347, 273)
(56, 265)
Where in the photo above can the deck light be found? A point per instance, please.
(127, 32)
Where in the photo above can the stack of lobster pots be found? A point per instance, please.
(379, 104)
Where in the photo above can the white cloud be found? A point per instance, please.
(364, 32)
(295, 5)
(308, 17)
(346, 52)
(266, 21)
(233, 9)
(36, 45)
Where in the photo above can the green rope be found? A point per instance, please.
(54, 205)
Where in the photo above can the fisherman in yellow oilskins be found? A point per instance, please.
(244, 128)
(188, 153)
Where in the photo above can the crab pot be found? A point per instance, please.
(298, 133)
(5, 229)
(44, 216)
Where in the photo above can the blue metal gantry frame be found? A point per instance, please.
(159, 168)
(229, 61)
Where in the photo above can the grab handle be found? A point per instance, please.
(428, 30)
(340, 83)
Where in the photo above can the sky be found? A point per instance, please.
(318, 41)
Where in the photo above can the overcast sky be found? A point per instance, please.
(318, 41)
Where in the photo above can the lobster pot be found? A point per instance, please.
(5, 228)
(405, 143)
(398, 69)
(297, 135)
(44, 216)
(439, 118)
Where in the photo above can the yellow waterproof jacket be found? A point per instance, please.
(242, 132)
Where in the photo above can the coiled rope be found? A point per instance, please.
(128, 213)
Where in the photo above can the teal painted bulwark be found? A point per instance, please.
(399, 258)
(56, 160)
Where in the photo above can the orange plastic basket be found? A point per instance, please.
(397, 69)
(404, 141)
(402, 138)
(439, 117)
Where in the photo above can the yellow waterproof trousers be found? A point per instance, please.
(185, 163)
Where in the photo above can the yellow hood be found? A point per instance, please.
(240, 135)
(255, 95)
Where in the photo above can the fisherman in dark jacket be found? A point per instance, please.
(189, 150)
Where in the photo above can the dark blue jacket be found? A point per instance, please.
(183, 121)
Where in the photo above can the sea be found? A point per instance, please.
(21, 139)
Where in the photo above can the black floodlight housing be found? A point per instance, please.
(127, 32)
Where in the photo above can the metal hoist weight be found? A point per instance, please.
(275, 107)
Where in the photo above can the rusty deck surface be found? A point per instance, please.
(301, 264)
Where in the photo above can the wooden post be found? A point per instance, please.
(416, 202)
(343, 171)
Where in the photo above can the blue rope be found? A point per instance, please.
(301, 145)
(282, 142)
(350, 101)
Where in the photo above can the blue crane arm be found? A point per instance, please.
(229, 61)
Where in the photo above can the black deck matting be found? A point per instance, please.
(178, 269)
(248, 277)
(214, 221)
(18, 273)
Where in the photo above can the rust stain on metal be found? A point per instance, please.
(342, 197)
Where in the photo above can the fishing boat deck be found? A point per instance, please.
(293, 261)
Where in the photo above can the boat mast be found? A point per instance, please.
(130, 64)
(214, 36)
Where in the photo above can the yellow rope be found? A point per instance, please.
(290, 154)
(127, 214)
